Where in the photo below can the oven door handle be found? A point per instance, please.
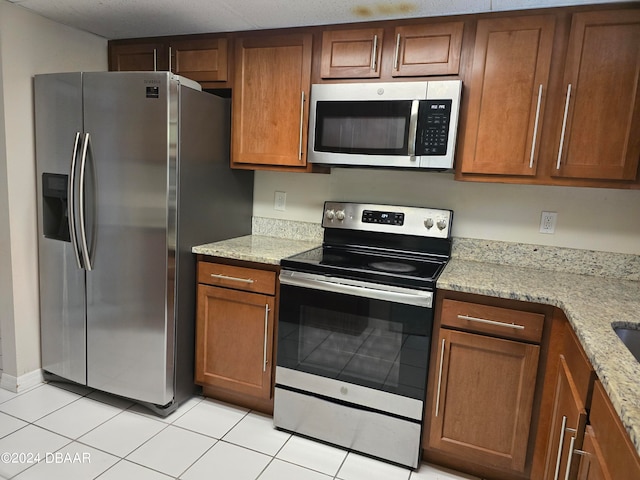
(406, 296)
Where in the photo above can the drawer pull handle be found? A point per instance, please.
(491, 322)
(233, 279)
(374, 53)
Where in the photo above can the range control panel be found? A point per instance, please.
(425, 222)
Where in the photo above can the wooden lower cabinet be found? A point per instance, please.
(607, 452)
(234, 334)
(483, 411)
(483, 383)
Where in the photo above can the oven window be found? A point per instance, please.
(372, 127)
(373, 343)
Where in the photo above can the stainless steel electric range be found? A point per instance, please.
(354, 329)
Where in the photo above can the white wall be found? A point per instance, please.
(588, 218)
(29, 44)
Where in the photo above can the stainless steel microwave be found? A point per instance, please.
(402, 124)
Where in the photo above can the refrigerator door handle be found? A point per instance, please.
(71, 201)
(83, 230)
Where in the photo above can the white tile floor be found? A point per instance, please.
(80, 434)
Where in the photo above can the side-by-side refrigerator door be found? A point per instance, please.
(129, 176)
(58, 116)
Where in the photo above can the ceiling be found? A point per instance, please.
(114, 19)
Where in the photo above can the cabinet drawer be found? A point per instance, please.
(502, 322)
(240, 278)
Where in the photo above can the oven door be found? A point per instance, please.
(367, 335)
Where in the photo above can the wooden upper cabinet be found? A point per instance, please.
(600, 134)
(140, 57)
(270, 104)
(507, 91)
(430, 49)
(351, 53)
(202, 60)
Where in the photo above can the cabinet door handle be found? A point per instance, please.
(569, 458)
(535, 127)
(440, 377)
(396, 57)
(264, 350)
(170, 59)
(564, 125)
(559, 456)
(233, 279)
(374, 53)
(301, 125)
(155, 60)
(491, 322)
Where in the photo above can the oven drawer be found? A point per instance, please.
(239, 278)
(495, 321)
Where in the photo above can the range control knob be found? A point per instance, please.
(340, 215)
(330, 214)
(428, 223)
(442, 224)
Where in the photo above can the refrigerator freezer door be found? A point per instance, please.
(58, 113)
(130, 210)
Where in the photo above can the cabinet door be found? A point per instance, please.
(234, 332)
(507, 91)
(138, 57)
(202, 60)
(483, 399)
(351, 53)
(568, 422)
(432, 49)
(592, 465)
(612, 455)
(270, 100)
(600, 131)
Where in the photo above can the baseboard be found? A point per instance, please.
(21, 383)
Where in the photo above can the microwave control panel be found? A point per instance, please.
(434, 118)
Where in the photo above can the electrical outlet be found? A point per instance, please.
(548, 222)
(280, 201)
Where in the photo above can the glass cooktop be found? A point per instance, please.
(400, 269)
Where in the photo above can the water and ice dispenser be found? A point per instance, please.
(55, 221)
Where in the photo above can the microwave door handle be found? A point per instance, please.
(413, 128)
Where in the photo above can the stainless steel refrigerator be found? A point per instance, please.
(132, 171)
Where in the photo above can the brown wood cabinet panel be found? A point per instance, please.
(202, 60)
(430, 49)
(502, 322)
(351, 53)
(601, 138)
(568, 423)
(240, 278)
(144, 56)
(234, 332)
(270, 101)
(610, 453)
(592, 465)
(508, 85)
(483, 403)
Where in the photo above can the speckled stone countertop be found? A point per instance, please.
(256, 248)
(593, 304)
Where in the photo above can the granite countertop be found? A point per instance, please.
(591, 303)
(256, 248)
